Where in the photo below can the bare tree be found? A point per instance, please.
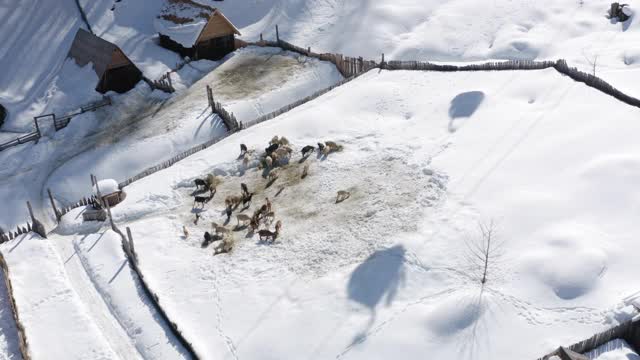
(484, 251)
(593, 63)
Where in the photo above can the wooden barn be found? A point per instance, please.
(114, 69)
(197, 31)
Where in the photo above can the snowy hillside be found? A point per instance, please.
(430, 161)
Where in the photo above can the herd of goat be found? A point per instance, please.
(278, 152)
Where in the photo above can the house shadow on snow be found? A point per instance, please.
(377, 280)
(464, 105)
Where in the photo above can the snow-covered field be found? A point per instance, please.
(56, 321)
(427, 158)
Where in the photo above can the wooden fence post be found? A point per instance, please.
(277, 34)
(131, 247)
(104, 203)
(37, 225)
(53, 205)
(261, 37)
(382, 62)
(35, 120)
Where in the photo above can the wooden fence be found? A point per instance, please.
(559, 65)
(63, 121)
(21, 140)
(132, 257)
(595, 82)
(628, 331)
(12, 234)
(488, 66)
(228, 118)
(23, 344)
(58, 122)
(164, 83)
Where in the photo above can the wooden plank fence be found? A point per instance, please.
(23, 344)
(164, 83)
(628, 331)
(228, 118)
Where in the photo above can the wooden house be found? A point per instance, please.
(197, 31)
(114, 69)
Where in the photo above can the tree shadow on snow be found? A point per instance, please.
(464, 105)
(379, 277)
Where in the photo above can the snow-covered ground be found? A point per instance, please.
(427, 157)
(97, 254)
(56, 321)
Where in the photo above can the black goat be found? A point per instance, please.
(200, 182)
(246, 200)
(271, 148)
(200, 199)
(307, 149)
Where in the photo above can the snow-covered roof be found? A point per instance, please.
(184, 34)
(107, 187)
(185, 28)
(88, 48)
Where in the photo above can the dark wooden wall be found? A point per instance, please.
(121, 79)
(216, 48)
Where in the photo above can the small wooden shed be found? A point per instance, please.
(114, 69)
(202, 33)
(111, 193)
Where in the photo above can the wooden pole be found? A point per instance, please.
(53, 205)
(37, 225)
(35, 120)
(113, 227)
(131, 247)
(261, 37)
(277, 34)
(382, 62)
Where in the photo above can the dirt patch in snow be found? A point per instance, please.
(255, 74)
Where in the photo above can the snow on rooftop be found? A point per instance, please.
(184, 34)
(107, 186)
